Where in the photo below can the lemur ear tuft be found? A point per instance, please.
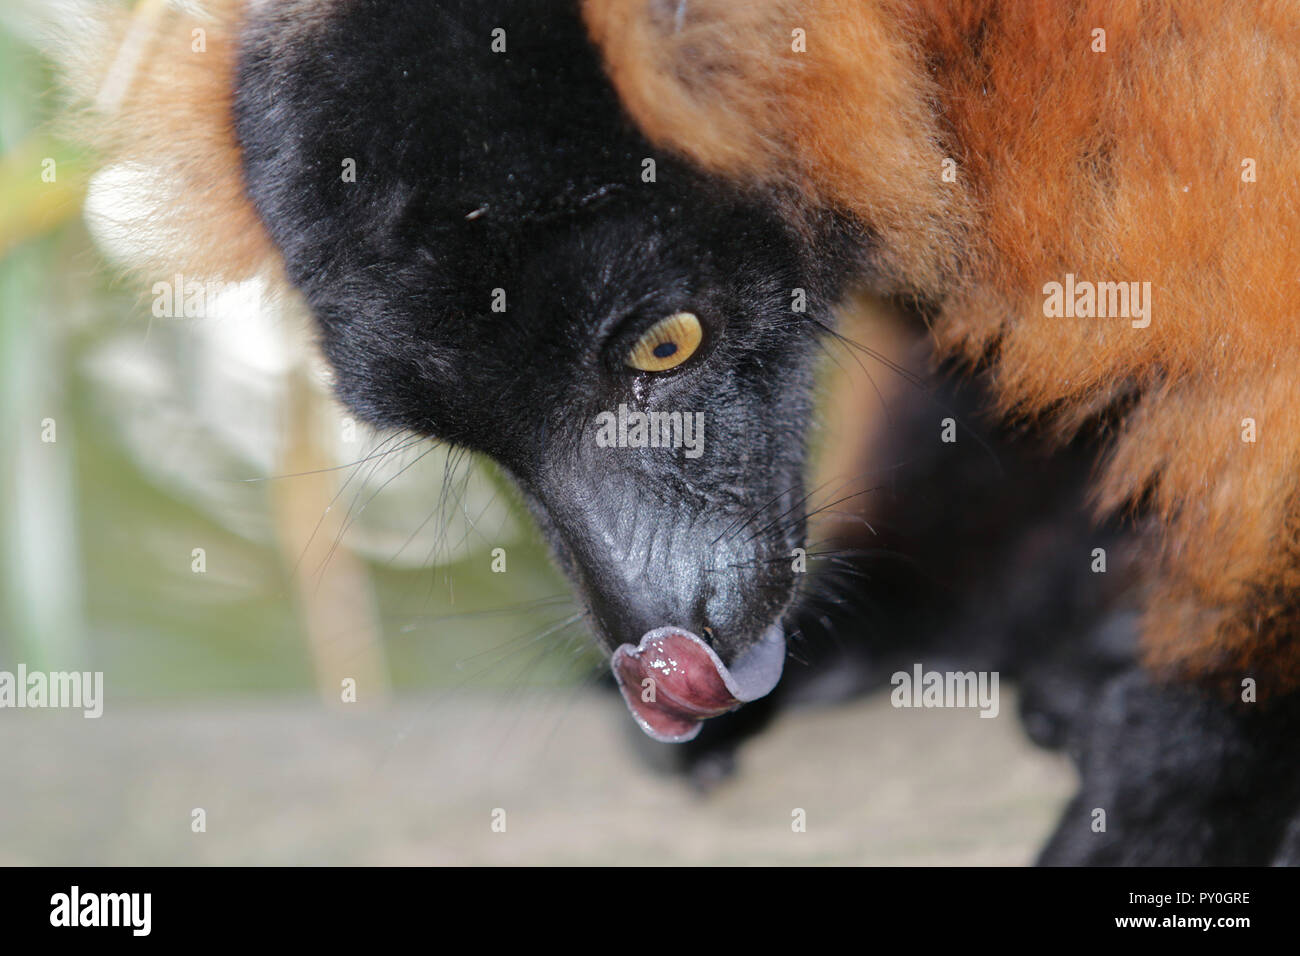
(153, 91)
(825, 99)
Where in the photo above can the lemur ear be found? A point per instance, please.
(824, 99)
(154, 90)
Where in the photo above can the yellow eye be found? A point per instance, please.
(668, 344)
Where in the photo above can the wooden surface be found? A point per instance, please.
(417, 782)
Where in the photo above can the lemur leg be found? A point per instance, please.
(1182, 777)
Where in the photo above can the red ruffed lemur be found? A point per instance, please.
(1089, 213)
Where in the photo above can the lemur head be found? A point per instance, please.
(515, 270)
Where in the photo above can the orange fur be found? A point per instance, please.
(148, 100)
(1115, 166)
(844, 127)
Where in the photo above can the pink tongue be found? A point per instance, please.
(672, 680)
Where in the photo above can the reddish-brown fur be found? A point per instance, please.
(1123, 165)
(157, 103)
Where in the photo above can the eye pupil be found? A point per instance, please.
(667, 344)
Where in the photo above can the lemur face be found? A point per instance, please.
(514, 270)
(466, 195)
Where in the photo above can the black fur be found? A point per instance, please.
(478, 171)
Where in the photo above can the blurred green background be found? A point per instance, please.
(176, 434)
